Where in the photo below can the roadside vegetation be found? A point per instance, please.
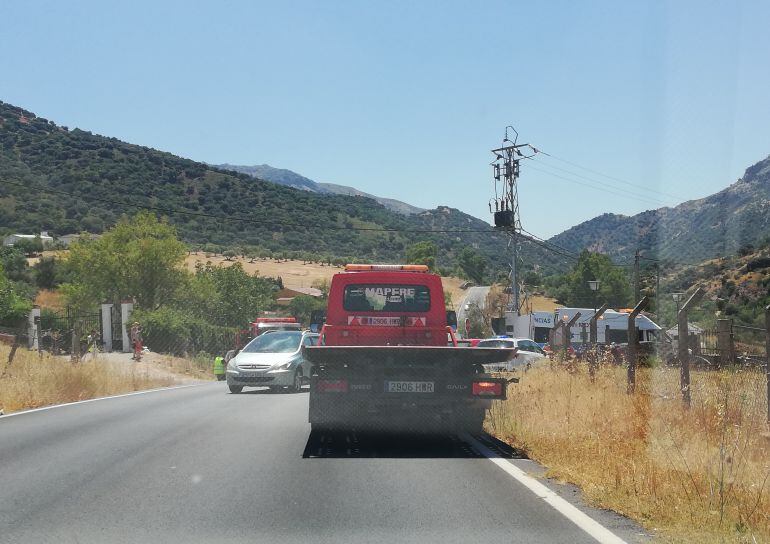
(697, 475)
(31, 381)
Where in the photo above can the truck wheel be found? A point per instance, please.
(296, 385)
(235, 389)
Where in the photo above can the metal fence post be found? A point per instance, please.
(633, 342)
(767, 357)
(724, 341)
(683, 345)
(593, 324)
(568, 332)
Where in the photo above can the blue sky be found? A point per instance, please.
(405, 99)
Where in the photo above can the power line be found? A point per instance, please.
(614, 178)
(639, 193)
(604, 189)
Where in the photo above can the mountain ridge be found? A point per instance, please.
(290, 178)
(693, 231)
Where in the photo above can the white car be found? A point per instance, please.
(529, 353)
(273, 359)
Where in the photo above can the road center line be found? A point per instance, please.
(565, 508)
(42, 408)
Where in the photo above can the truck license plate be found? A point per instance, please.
(409, 387)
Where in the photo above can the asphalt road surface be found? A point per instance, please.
(198, 464)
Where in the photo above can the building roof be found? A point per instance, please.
(613, 318)
(691, 329)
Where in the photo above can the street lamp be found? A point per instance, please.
(677, 298)
(594, 286)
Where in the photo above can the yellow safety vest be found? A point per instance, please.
(219, 365)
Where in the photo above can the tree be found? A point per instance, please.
(139, 258)
(422, 253)
(13, 307)
(30, 246)
(301, 306)
(229, 255)
(614, 287)
(46, 273)
(472, 264)
(225, 295)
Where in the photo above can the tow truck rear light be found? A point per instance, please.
(487, 389)
(368, 267)
(332, 386)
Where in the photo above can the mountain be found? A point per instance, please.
(275, 175)
(67, 181)
(292, 179)
(391, 203)
(714, 226)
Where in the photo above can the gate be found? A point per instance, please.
(56, 330)
(117, 328)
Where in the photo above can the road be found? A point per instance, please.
(474, 296)
(197, 464)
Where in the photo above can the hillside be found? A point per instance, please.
(292, 179)
(65, 181)
(714, 226)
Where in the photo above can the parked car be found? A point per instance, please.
(273, 359)
(528, 354)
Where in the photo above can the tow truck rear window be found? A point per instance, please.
(386, 298)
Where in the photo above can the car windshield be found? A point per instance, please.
(275, 342)
(495, 344)
(251, 248)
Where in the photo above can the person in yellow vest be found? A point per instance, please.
(219, 368)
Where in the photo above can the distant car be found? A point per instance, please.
(528, 354)
(273, 360)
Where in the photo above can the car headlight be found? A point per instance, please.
(285, 366)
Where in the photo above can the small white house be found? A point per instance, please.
(12, 239)
(538, 325)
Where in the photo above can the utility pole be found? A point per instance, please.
(505, 168)
(637, 296)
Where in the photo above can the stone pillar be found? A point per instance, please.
(107, 327)
(33, 328)
(125, 315)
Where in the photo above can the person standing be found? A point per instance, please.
(136, 341)
(93, 343)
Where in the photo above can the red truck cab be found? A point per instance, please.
(386, 305)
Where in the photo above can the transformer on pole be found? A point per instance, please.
(505, 169)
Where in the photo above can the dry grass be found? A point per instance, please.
(701, 475)
(31, 382)
(52, 300)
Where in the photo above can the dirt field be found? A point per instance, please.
(299, 274)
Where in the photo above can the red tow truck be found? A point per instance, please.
(388, 360)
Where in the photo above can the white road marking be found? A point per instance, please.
(596, 530)
(99, 398)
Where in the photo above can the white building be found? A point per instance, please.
(12, 239)
(538, 325)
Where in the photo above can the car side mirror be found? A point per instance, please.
(317, 320)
